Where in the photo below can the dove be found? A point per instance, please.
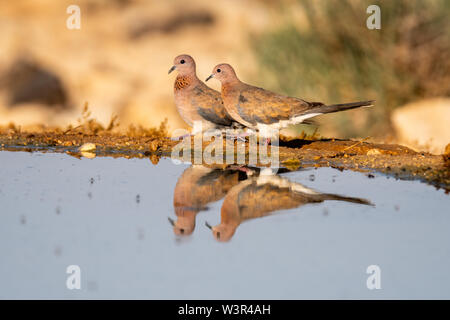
(195, 189)
(262, 194)
(195, 101)
(266, 111)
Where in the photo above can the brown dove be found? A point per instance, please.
(196, 101)
(257, 108)
(195, 189)
(260, 196)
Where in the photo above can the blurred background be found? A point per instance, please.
(316, 50)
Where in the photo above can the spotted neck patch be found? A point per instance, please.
(182, 82)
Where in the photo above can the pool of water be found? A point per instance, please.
(166, 231)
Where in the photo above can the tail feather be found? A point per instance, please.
(347, 199)
(339, 107)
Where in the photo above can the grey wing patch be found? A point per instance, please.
(245, 116)
(199, 91)
(210, 177)
(242, 99)
(210, 106)
(258, 119)
(210, 115)
(242, 110)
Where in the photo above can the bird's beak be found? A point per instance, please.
(211, 76)
(171, 221)
(171, 69)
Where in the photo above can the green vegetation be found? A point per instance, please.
(333, 57)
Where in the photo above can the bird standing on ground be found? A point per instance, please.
(194, 100)
(260, 109)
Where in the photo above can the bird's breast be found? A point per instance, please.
(230, 97)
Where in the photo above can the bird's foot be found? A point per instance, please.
(265, 141)
(238, 136)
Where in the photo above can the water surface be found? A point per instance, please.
(137, 230)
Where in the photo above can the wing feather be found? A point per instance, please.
(257, 105)
(209, 105)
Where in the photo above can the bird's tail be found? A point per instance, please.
(321, 109)
(347, 199)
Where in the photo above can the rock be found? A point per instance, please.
(170, 25)
(373, 152)
(424, 125)
(292, 164)
(153, 146)
(447, 150)
(154, 159)
(446, 155)
(28, 82)
(88, 147)
(89, 155)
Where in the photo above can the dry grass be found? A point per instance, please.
(87, 125)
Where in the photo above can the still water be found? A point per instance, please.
(166, 231)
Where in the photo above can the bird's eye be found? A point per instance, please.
(182, 61)
(218, 70)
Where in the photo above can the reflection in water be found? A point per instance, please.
(249, 193)
(196, 187)
(259, 196)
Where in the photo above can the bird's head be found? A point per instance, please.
(223, 72)
(182, 227)
(184, 64)
(222, 232)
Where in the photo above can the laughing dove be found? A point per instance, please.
(194, 100)
(260, 196)
(195, 189)
(257, 108)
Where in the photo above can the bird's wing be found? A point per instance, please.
(209, 105)
(257, 105)
(198, 186)
(256, 201)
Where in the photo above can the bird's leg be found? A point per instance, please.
(237, 125)
(264, 140)
(241, 135)
(237, 136)
(267, 141)
(266, 133)
(242, 168)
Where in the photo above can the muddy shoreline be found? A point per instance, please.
(392, 160)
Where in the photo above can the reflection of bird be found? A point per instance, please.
(260, 109)
(259, 196)
(195, 101)
(196, 187)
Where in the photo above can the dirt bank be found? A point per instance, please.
(394, 160)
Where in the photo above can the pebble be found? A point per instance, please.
(88, 147)
(373, 152)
